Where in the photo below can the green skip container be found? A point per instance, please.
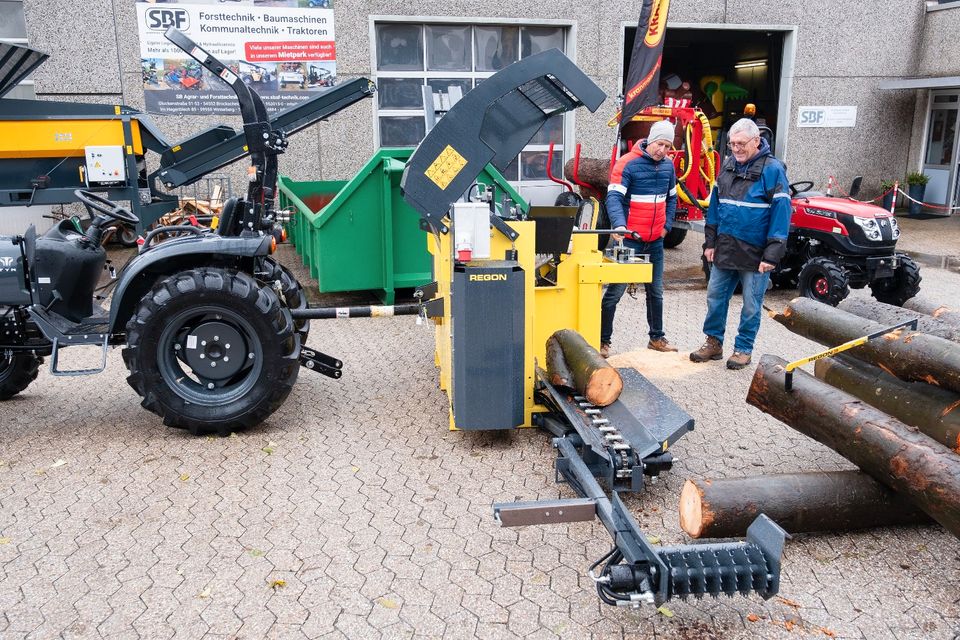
(360, 234)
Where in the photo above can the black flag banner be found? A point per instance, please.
(643, 75)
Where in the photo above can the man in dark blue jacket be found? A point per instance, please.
(746, 235)
(642, 197)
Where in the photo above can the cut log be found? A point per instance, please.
(888, 314)
(592, 171)
(934, 411)
(798, 502)
(909, 355)
(596, 380)
(557, 370)
(950, 315)
(895, 454)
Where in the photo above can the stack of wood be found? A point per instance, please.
(890, 406)
(590, 171)
(202, 209)
(573, 363)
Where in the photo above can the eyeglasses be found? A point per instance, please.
(741, 145)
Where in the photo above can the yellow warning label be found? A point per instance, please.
(129, 150)
(666, 445)
(116, 109)
(176, 148)
(446, 167)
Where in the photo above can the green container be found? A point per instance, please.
(361, 235)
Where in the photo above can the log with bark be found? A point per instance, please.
(950, 315)
(909, 355)
(935, 411)
(895, 454)
(592, 171)
(798, 502)
(889, 314)
(557, 369)
(589, 373)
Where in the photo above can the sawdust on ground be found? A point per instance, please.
(655, 364)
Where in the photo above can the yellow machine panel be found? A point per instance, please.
(63, 138)
(572, 303)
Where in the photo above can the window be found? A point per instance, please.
(13, 28)
(451, 59)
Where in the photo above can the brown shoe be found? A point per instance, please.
(605, 350)
(661, 344)
(712, 349)
(738, 360)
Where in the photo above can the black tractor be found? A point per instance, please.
(205, 316)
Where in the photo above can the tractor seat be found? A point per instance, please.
(810, 194)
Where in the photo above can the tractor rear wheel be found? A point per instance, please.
(824, 280)
(674, 237)
(212, 351)
(17, 371)
(904, 284)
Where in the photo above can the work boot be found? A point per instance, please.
(712, 349)
(738, 360)
(605, 349)
(661, 344)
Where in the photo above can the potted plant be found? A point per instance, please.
(886, 188)
(917, 184)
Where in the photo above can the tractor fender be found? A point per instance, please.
(174, 255)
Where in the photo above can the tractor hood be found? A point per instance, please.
(843, 206)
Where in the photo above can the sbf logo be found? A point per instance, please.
(812, 116)
(163, 19)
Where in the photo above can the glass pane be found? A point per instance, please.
(534, 164)
(496, 47)
(401, 131)
(21, 92)
(537, 39)
(942, 99)
(399, 47)
(12, 24)
(441, 91)
(400, 93)
(448, 48)
(943, 126)
(551, 131)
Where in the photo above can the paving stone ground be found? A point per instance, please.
(352, 512)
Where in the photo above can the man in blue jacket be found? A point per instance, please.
(642, 197)
(746, 235)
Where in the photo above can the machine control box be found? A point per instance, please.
(105, 166)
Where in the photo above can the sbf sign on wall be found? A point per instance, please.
(284, 51)
(827, 117)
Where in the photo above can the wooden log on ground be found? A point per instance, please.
(592, 171)
(596, 380)
(909, 355)
(950, 315)
(935, 411)
(888, 314)
(557, 370)
(895, 454)
(798, 502)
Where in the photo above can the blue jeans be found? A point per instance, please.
(654, 290)
(722, 284)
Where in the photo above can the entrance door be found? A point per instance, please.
(940, 155)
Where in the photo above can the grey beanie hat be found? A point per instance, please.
(662, 130)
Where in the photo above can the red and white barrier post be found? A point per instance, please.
(896, 190)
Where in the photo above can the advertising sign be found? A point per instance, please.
(827, 117)
(283, 49)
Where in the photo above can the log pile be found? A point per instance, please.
(573, 363)
(890, 406)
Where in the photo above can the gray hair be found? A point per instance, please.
(747, 126)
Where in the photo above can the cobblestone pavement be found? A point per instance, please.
(354, 513)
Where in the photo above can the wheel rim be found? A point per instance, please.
(218, 377)
(821, 286)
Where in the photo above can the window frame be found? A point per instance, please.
(570, 39)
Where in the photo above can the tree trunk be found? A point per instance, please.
(557, 370)
(798, 502)
(950, 315)
(893, 453)
(906, 354)
(887, 314)
(594, 172)
(596, 380)
(934, 411)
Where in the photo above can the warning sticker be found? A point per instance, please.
(446, 167)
